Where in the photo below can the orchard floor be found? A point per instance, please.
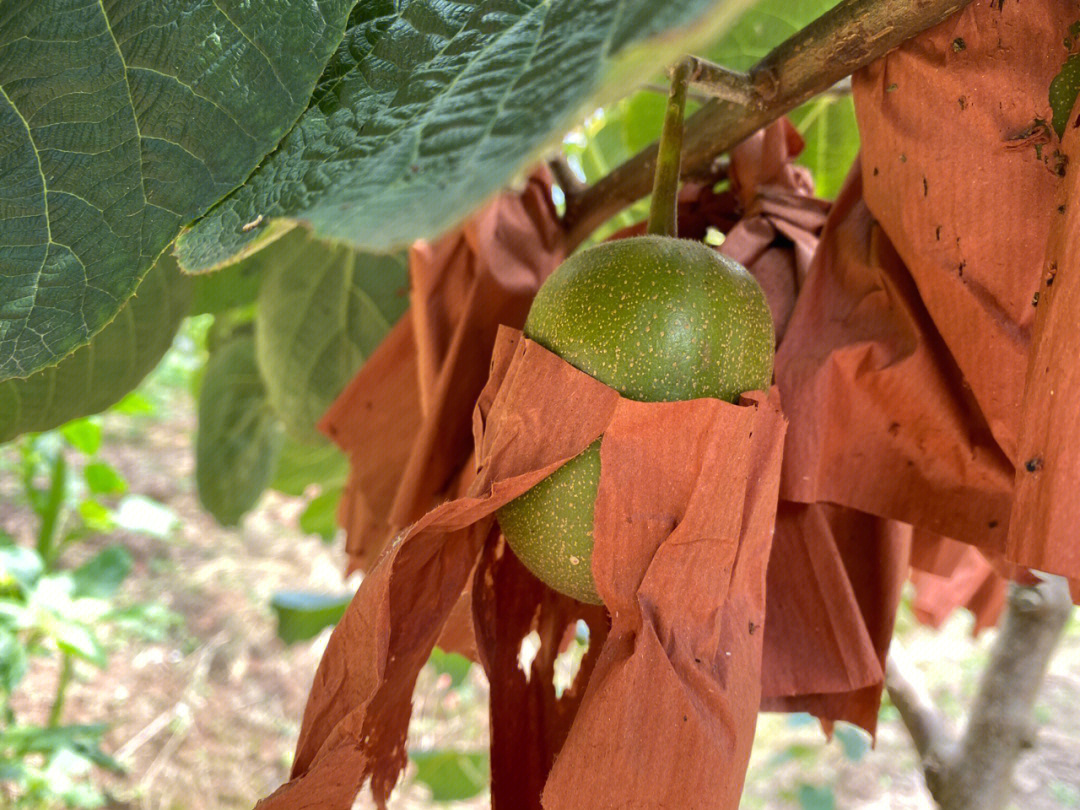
(206, 718)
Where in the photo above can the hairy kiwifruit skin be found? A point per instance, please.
(658, 319)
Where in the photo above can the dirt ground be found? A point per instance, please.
(206, 718)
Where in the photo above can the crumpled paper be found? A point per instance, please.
(405, 418)
(683, 527)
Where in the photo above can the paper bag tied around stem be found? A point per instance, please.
(684, 518)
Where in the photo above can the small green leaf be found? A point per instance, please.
(1063, 91)
(104, 479)
(117, 359)
(302, 615)
(452, 664)
(320, 516)
(24, 565)
(322, 310)
(96, 516)
(301, 465)
(13, 662)
(430, 107)
(79, 641)
(133, 404)
(83, 435)
(816, 798)
(452, 775)
(239, 436)
(853, 740)
(142, 515)
(101, 575)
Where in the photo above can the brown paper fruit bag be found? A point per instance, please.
(684, 518)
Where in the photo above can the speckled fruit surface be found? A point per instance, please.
(659, 320)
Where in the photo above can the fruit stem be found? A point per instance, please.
(665, 195)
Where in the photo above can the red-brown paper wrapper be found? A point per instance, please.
(683, 527)
(903, 368)
(405, 419)
(1045, 529)
(949, 575)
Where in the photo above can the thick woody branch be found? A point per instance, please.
(974, 771)
(850, 36)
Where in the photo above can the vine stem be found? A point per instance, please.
(850, 36)
(665, 198)
(67, 669)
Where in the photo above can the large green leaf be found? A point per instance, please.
(322, 310)
(452, 775)
(120, 121)
(765, 25)
(300, 465)
(239, 437)
(302, 615)
(112, 364)
(827, 123)
(432, 106)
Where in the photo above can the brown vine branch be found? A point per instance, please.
(572, 186)
(724, 83)
(850, 36)
(928, 727)
(973, 772)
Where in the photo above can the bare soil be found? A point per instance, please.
(206, 718)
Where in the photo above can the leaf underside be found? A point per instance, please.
(322, 310)
(115, 361)
(239, 437)
(428, 108)
(120, 121)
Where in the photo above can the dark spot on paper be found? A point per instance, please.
(1033, 465)
(684, 718)
(697, 660)
(1035, 299)
(894, 428)
(753, 627)
(903, 158)
(962, 101)
(937, 233)
(958, 44)
(875, 171)
(993, 524)
(960, 269)
(925, 187)
(1061, 209)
